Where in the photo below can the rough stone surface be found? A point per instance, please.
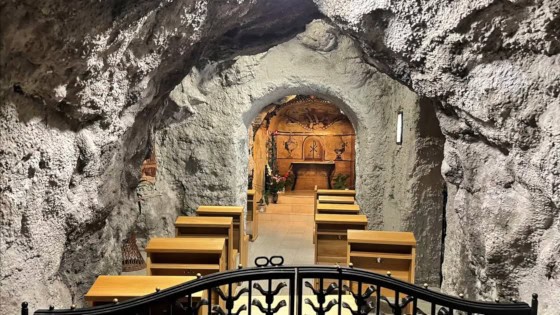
(494, 66)
(203, 160)
(82, 86)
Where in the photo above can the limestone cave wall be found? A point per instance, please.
(494, 68)
(83, 85)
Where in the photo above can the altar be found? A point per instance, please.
(328, 166)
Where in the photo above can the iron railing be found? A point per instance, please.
(301, 290)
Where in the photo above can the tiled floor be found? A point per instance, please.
(286, 229)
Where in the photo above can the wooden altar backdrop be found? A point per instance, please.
(314, 131)
(316, 173)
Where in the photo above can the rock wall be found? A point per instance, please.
(203, 160)
(82, 86)
(81, 89)
(494, 66)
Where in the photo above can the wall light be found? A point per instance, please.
(399, 127)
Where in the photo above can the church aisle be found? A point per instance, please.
(286, 229)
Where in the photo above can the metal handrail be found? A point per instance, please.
(296, 275)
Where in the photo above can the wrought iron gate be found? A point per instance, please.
(301, 290)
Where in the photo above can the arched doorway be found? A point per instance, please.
(296, 144)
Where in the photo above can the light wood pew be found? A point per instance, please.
(336, 208)
(336, 199)
(330, 236)
(107, 288)
(185, 256)
(208, 227)
(336, 192)
(383, 251)
(252, 214)
(331, 192)
(236, 212)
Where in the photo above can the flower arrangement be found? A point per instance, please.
(278, 182)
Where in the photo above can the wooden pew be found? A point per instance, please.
(240, 242)
(208, 227)
(331, 192)
(335, 208)
(185, 256)
(252, 214)
(107, 288)
(383, 251)
(336, 199)
(330, 236)
(336, 192)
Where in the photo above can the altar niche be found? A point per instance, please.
(307, 138)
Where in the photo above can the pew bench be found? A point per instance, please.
(185, 256)
(336, 199)
(331, 235)
(107, 288)
(240, 241)
(204, 227)
(336, 208)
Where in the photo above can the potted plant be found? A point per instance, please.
(279, 182)
(340, 181)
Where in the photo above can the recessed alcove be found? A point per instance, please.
(305, 138)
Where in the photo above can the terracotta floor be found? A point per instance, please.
(286, 229)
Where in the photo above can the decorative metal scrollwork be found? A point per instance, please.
(397, 307)
(321, 298)
(263, 261)
(269, 298)
(363, 305)
(230, 302)
(216, 309)
(270, 310)
(191, 309)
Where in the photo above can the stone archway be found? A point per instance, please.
(203, 159)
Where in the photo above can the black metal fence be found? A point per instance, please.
(302, 290)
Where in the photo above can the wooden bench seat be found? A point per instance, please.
(107, 288)
(336, 208)
(330, 236)
(205, 227)
(185, 256)
(336, 192)
(252, 214)
(383, 251)
(235, 212)
(336, 199)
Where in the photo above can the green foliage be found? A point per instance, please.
(340, 181)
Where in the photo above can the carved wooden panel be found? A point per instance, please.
(313, 149)
(289, 147)
(314, 130)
